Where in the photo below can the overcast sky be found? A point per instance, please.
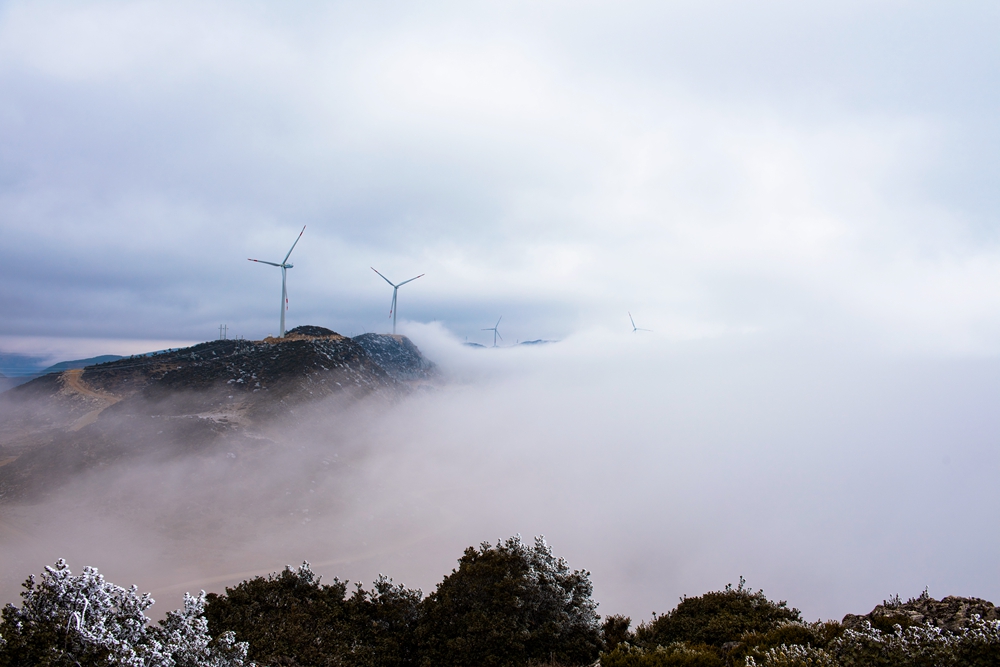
(716, 168)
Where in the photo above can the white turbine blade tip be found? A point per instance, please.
(410, 280)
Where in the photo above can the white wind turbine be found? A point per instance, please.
(395, 288)
(635, 328)
(284, 266)
(495, 332)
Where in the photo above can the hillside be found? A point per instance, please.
(219, 394)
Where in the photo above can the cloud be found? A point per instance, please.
(718, 168)
(830, 477)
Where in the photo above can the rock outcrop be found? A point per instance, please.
(950, 613)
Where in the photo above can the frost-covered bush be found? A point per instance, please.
(793, 655)
(977, 645)
(508, 605)
(186, 632)
(68, 619)
(794, 634)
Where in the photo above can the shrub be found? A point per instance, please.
(290, 618)
(383, 625)
(509, 605)
(716, 618)
(284, 617)
(615, 631)
(916, 646)
(678, 654)
(793, 633)
(85, 620)
(793, 656)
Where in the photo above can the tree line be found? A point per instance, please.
(508, 604)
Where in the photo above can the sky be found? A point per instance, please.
(799, 200)
(713, 168)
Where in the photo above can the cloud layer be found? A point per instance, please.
(831, 479)
(715, 168)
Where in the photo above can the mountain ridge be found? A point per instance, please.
(220, 394)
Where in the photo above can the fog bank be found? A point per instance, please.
(830, 477)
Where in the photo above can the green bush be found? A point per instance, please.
(716, 618)
(510, 605)
(291, 619)
(383, 624)
(615, 630)
(679, 654)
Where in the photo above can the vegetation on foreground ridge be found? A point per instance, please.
(505, 605)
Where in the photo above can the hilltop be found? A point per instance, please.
(219, 394)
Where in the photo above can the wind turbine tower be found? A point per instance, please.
(635, 328)
(395, 288)
(495, 332)
(284, 266)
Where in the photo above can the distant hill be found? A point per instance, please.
(11, 382)
(219, 394)
(80, 363)
(539, 341)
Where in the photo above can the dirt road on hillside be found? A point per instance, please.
(73, 380)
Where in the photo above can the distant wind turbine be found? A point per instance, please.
(284, 266)
(395, 288)
(495, 332)
(635, 328)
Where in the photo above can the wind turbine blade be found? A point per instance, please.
(498, 334)
(392, 308)
(498, 321)
(631, 320)
(410, 280)
(260, 261)
(387, 280)
(294, 244)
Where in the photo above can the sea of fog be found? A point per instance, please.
(830, 477)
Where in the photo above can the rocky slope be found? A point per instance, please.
(397, 355)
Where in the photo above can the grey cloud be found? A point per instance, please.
(147, 150)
